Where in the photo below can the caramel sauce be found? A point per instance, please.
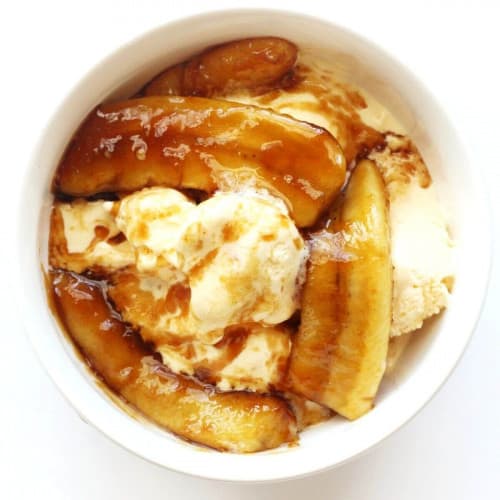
(140, 307)
(341, 107)
(231, 231)
(197, 146)
(269, 237)
(197, 270)
(141, 232)
(101, 232)
(231, 345)
(233, 341)
(117, 239)
(178, 298)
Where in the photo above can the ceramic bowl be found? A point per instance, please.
(431, 356)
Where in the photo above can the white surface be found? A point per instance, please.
(451, 450)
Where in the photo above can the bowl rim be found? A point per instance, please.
(81, 404)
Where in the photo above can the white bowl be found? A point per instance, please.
(430, 358)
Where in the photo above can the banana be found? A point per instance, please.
(257, 64)
(192, 142)
(339, 353)
(234, 421)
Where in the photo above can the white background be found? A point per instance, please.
(451, 450)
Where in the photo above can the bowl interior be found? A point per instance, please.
(431, 355)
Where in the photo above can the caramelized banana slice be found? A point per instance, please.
(257, 64)
(233, 421)
(203, 144)
(339, 354)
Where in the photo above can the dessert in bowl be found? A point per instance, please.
(221, 253)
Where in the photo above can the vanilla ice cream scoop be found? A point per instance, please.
(240, 252)
(422, 249)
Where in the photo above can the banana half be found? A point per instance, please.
(339, 353)
(203, 144)
(236, 421)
